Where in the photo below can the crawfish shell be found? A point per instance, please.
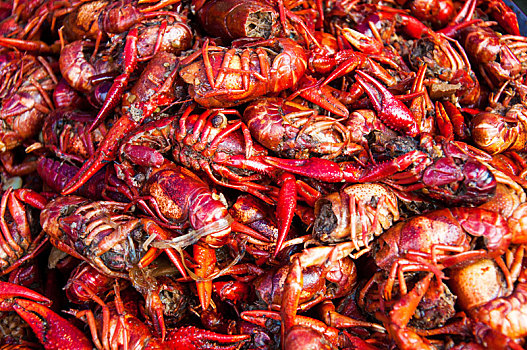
(233, 19)
(334, 221)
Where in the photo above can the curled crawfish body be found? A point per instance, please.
(96, 232)
(229, 77)
(261, 217)
(496, 133)
(294, 131)
(458, 176)
(437, 12)
(495, 60)
(27, 102)
(445, 227)
(508, 315)
(85, 283)
(174, 38)
(78, 69)
(320, 283)
(17, 229)
(233, 19)
(357, 213)
(66, 133)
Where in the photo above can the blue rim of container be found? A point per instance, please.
(520, 13)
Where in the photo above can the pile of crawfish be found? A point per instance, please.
(244, 174)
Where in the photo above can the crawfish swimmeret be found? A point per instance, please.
(228, 174)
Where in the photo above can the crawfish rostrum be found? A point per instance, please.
(228, 174)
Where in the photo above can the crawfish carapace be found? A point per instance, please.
(98, 232)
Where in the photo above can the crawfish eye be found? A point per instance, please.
(219, 121)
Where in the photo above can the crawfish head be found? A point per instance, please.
(182, 195)
(55, 210)
(337, 220)
(467, 183)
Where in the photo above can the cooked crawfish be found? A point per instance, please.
(495, 60)
(486, 295)
(106, 238)
(226, 77)
(18, 230)
(206, 141)
(438, 12)
(66, 133)
(295, 131)
(97, 232)
(511, 310)
(233, 19)
(27, 85)
(98, 19)
(357, 213)
(121, 322)
(502, 129)
(179, 196)
(448, 69)
(79, 69)
(103, 185)
(320, 283)
(258, 215)
(153, 88)
(283, 155)
(435, 234)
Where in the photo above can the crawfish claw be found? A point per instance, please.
(53, 331)
(285, 209)
(10, 290)
(259, 317)
(316, 168)
(195, 338)
(391, 111)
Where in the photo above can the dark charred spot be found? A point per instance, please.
(175, 304)
(400, 145)
(435, 309)
(217, 120)
(325, 222)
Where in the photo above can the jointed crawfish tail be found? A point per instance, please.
(97, 232)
